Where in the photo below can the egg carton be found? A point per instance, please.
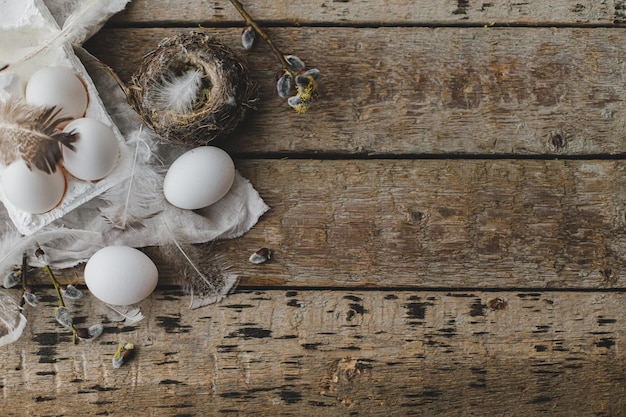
(25, 24)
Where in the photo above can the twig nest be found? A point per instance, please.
(191, 89)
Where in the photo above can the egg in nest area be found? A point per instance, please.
(60, 87)
(120, 275)
(32, 191)
(199, 177)
(95, 151)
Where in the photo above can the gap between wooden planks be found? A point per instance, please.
(301, 352)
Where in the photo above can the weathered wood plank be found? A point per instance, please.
(432, 224)
(509, 227)
(389, 12)
(511, 91)
(353, 352)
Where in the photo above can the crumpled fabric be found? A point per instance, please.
(231, 217)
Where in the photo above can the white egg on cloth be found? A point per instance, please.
(95, 152)
(199, 178)
(58, 86)
(32, 190)
(120, 275)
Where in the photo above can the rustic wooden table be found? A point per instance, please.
(448, 225)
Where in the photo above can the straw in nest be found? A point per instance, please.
(191, 89)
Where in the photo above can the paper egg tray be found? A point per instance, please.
(27, 23)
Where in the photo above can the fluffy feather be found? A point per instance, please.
(139, 197)
(178, 94)
(12, 321)
(85, 18)
(29, 132)
(13, 244)
(128, 314)
(207, 285)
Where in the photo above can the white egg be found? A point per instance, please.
(32, 191)
(120, 275)
(58, 86)
(95, 152)
(199, 178)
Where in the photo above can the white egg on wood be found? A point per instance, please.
(95, 152)
(199, 178)
(58, 86)
(120, 275)
(32, 190)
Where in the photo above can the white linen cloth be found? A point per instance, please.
(230, 217)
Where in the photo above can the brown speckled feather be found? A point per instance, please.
(30, 132)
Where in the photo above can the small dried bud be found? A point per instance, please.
(71, 292)
(91, 333)
(284, 84)
(82, 333)
(30, 298)
(12, 278)
(41, 255)
(302, 81)
(294, 101)
(123, 354)
(95, 331)
(261, 256)
(248, 37)
(299, 105)
(313, 72)
(296, 63)
(497, 303)
(63, 316)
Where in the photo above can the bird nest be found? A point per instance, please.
(191, 89)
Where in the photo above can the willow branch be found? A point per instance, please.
(250, 22)
(57, 286)
(24, 282)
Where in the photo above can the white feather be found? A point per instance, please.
(12, 321)
(10, 254)
(13, 245)
(178, 94)
(128, 314)
(86, 18)
(140, 197)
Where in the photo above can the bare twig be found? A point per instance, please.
(39, 253)
(250, 22)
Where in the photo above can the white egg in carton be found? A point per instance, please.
(25, 24)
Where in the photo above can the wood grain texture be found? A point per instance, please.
(433, 223)
(414, 91)
(428, 259)
(389, 12)
(306, 353)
